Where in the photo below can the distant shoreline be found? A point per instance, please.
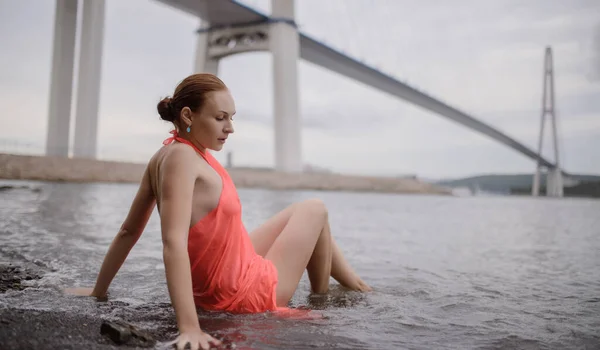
(47, 168)
(577, 185)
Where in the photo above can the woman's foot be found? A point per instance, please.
(357, 284)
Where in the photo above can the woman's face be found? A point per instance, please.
(211, 125)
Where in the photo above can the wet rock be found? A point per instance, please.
(11, 277)
(122, 333)
(14, 187)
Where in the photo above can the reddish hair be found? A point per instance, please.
(191, 92)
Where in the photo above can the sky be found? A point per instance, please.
(483, 57)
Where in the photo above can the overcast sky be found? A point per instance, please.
(483, 57)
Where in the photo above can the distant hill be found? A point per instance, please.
(584, 189)
(505, 183)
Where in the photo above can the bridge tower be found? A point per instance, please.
(554, 179)
(278, 35)
(89, 76)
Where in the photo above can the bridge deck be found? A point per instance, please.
(227, 12)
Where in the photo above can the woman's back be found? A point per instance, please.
(170, 165)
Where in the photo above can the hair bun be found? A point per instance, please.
(189, 93)
(165, 109)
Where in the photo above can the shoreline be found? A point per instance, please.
(60, 169)
(43, 329)
(108, 326)
(22, 328)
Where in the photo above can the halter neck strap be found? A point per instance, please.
(170, 139)
(178, 138)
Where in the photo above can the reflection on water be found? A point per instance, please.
(499, 272)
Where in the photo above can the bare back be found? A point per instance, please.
(162, 174)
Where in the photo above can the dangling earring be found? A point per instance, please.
(188, 129)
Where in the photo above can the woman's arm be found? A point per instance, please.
(177, 180)
(129, 233)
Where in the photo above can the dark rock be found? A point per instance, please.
(11, 277)
(122, 333)
(14, 187)
(116, 332)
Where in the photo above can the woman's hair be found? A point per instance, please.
(191, 92)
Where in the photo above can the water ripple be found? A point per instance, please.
(452, 273)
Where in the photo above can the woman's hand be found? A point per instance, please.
(195, 338)
(84, 292)
(81, 291)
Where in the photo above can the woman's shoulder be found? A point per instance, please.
(177, 159)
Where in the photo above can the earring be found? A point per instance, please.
(188, 129)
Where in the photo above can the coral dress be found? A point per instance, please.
(227, 273)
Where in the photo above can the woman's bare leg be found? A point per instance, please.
(293, 250)
(264, 236)
(319, 265)
(343, 273)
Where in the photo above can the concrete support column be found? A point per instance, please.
(554, 183)
(63, 57)
(88, 87)
(203, 62)
(285, 47)
(535, 188)
(554, 180)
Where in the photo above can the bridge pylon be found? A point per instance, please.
(89, 77)
(554, 179)
(278, 35)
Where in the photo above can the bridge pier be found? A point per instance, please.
(63, 57)
(204, 63)
(535, 187)
(554, 180)
(285, 47)
(279, 36)
(88, 86)
(554, 183)
(61, 81)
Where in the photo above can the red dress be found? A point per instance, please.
(227, 273)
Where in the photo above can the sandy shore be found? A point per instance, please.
(20, 167)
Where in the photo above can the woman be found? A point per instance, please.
(210, 260)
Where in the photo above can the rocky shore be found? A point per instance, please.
(39, 329)
(58, 329)
(19, 167)
(27, 329)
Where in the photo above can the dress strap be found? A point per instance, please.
(178, 138)
(170, 139)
